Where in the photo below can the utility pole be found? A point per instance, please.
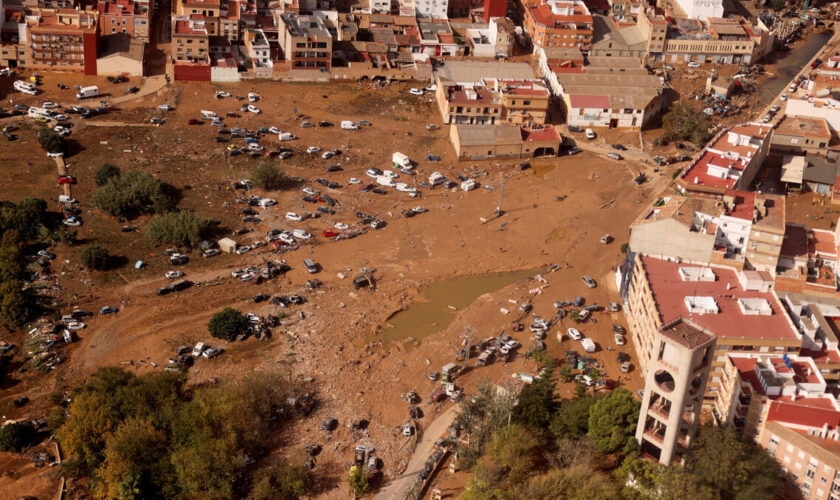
(501, 192)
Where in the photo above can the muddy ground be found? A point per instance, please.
(554, 214)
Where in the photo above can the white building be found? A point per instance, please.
(380, 6)
(701, 9)
(816, 108)
(435, 9)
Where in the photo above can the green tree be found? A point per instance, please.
(11, 256)
(15, 306)
(573, 483)
(85, 430)
(16, 437)
(357, 480)
(733, 466)
(227, 324)
(282, 481)
(105, 173)
(96, 257)
(267, 176)
(181, 228)
(684, 122)
(51, 142)
(134, 465)
(612, 421)
(134, 193)
(537, 401)
(566, 374)
(572, 418)
(26, 218)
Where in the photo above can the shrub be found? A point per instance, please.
(51, 142)
(133, 193)
(624, 247)
(15, 305)
(96, 257)
(358, 480)
(283, 481)
(182, 228)
(683, 122)
(15, 437)
(105, 173)
(676, 173)
(227, 324)
(266, 176)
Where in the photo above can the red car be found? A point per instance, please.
(231, 114)
(366, 188)
(66, 179)
(194, 121)
(330, 234)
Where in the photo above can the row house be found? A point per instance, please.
(500, 102)
(305, 41)
(190, 39)
(221, 17)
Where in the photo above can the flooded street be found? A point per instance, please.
(441, 303)
(789, 66)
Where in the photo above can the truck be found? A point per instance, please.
(348, 125)
(384, 180)
(88, 92)
(436, 178)
(588, 345)
(468, 185)
(401, 161)
(310, 266)
(450, 369)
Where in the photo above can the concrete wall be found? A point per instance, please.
(117, 65)
(670, 238)
(218, 74)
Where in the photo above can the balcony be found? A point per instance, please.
(656, 435)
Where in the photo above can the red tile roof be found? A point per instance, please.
(544, 134)
(744, 204)
(589, 101)
(669, 292)
(810, 412)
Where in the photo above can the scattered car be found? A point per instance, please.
(619, 147)
(108, 310)
(174, 274)
(293, 217)
(614, 156)
(66, 179)
(589, 282)
(693, 64)
(590, 134)
(574, 334)
(313, 149)
(307, 125)
(414, 91)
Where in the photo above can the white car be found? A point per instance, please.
(252, 97)
(174, 274)
(416, 92)
(62, 131)
(72, 222)
(293, 217)
(310, 191)
(372, 173)
(693, 64)
(254, 109)
(340, 225)
(55, 155)
(354, 180)
(75, 325)
(391, 174)
(783, 97)
(431, 88)
(286, 238)
(49, 105)
(275, 130)
(243, 249)
(166, 107)
(255, 147)
(257, 244)
(512, 344)
(327, 155)
(301, 234)
(313, 149)
(590, 134)
(574, 334)
(267, 202)
(619, 339)
(402, 186)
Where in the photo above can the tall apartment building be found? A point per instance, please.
(740, 308)
(674, 386)
(190, 39)
(558, 23)
(62, 40)
(306, 42)
(124, 16)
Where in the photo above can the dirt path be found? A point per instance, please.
(398, 488)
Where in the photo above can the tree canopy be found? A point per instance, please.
(132, 193)
(51, 142)
(227, 324)
(105, 173)
(612, 421)
(684, 122)
(96, 257)
(267, 176)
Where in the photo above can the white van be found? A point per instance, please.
(468, 185)
(25, 87)
(209, 115)
(34, 112)
(198, 349)
(436, 178)
(588, 345)
(348, 125)
(286, 136)
(384, 180)
(587, 380)
(88, 92)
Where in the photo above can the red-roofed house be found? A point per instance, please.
(730, 160)
(124, 16)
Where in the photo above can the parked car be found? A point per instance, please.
(619, 147)
(693, 64)
(588, 281)
(590, 134)
(108, 310)
(614, 156)
(573, 128)
(414, 91)
(574, 334)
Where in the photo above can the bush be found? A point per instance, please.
(227, 324)
(624, 247)
(184, 229)
(133, 193)
(105, 173)
(15, 305)
(266, 176)
(96, 257)
(676, 173)
(283, 481)
(51, 142)
(683, 122)
(15, 437)
(358, 481)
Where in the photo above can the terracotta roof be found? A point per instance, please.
(744, 205)
(669, 292)
(589, 101)
(809, 412)
(804, 127)
(544, 134)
